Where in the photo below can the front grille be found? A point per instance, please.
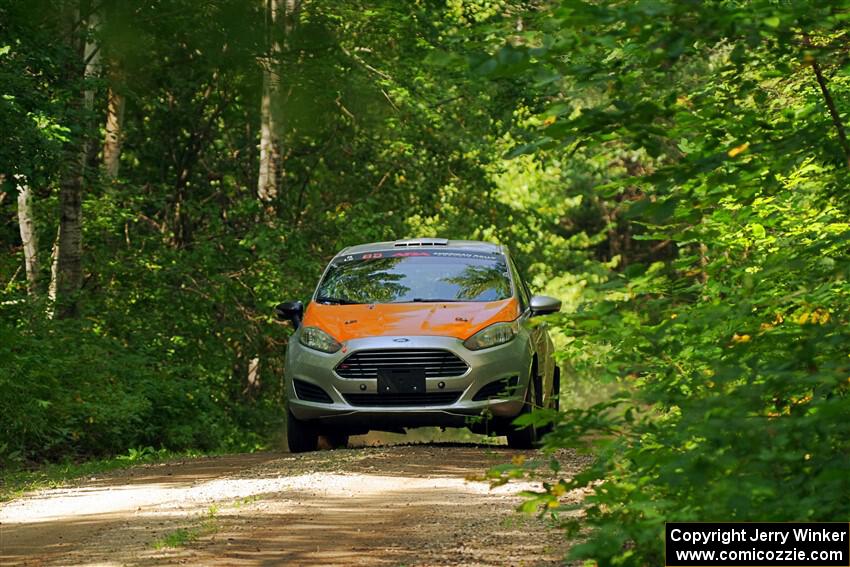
(436, 363)
(311, 393)
(389, 400)
(498, 389)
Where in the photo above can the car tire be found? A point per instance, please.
(526, 437)
(336, 440)
(556, 390)
(301, 436)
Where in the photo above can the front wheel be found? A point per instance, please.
(526, 437)
(301, 436)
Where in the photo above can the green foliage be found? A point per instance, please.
(721, 318)
(101, 397)
(177, 538)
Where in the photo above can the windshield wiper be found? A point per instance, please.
(336, 300)
(429, 300)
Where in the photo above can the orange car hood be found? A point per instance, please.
(460, 320)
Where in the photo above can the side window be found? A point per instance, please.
(521, 288)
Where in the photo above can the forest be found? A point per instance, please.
(673, 170)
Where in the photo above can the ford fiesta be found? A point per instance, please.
(427, 332)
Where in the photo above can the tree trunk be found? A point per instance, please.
(28, 235)
(114, 130)
(830, 102)
(280, 20)
(267, 181)
(69, 272)
(269, 143)
(54, 271)
(252, 385)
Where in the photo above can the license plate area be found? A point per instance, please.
(401, 381)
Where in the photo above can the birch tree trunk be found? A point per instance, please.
(269, 143)
(114, 129)
(26, 222)
(267, 181)
(280, 20)
(69, 272)
(54, 272)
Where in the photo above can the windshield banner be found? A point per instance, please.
(475, 255)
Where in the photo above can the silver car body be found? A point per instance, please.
(450, 400)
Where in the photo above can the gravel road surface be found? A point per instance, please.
(387, 505)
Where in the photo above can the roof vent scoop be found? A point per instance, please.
(421, 242)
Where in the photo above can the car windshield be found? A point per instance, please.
(409, 277)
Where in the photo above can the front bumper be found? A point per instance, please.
(509, 361)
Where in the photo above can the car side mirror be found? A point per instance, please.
(543, 305)
(290, 311)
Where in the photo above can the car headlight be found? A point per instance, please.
(495, 334)
(315, 338)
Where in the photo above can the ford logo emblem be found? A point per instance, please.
(401, 340)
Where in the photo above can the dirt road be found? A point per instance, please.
(391, 505)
